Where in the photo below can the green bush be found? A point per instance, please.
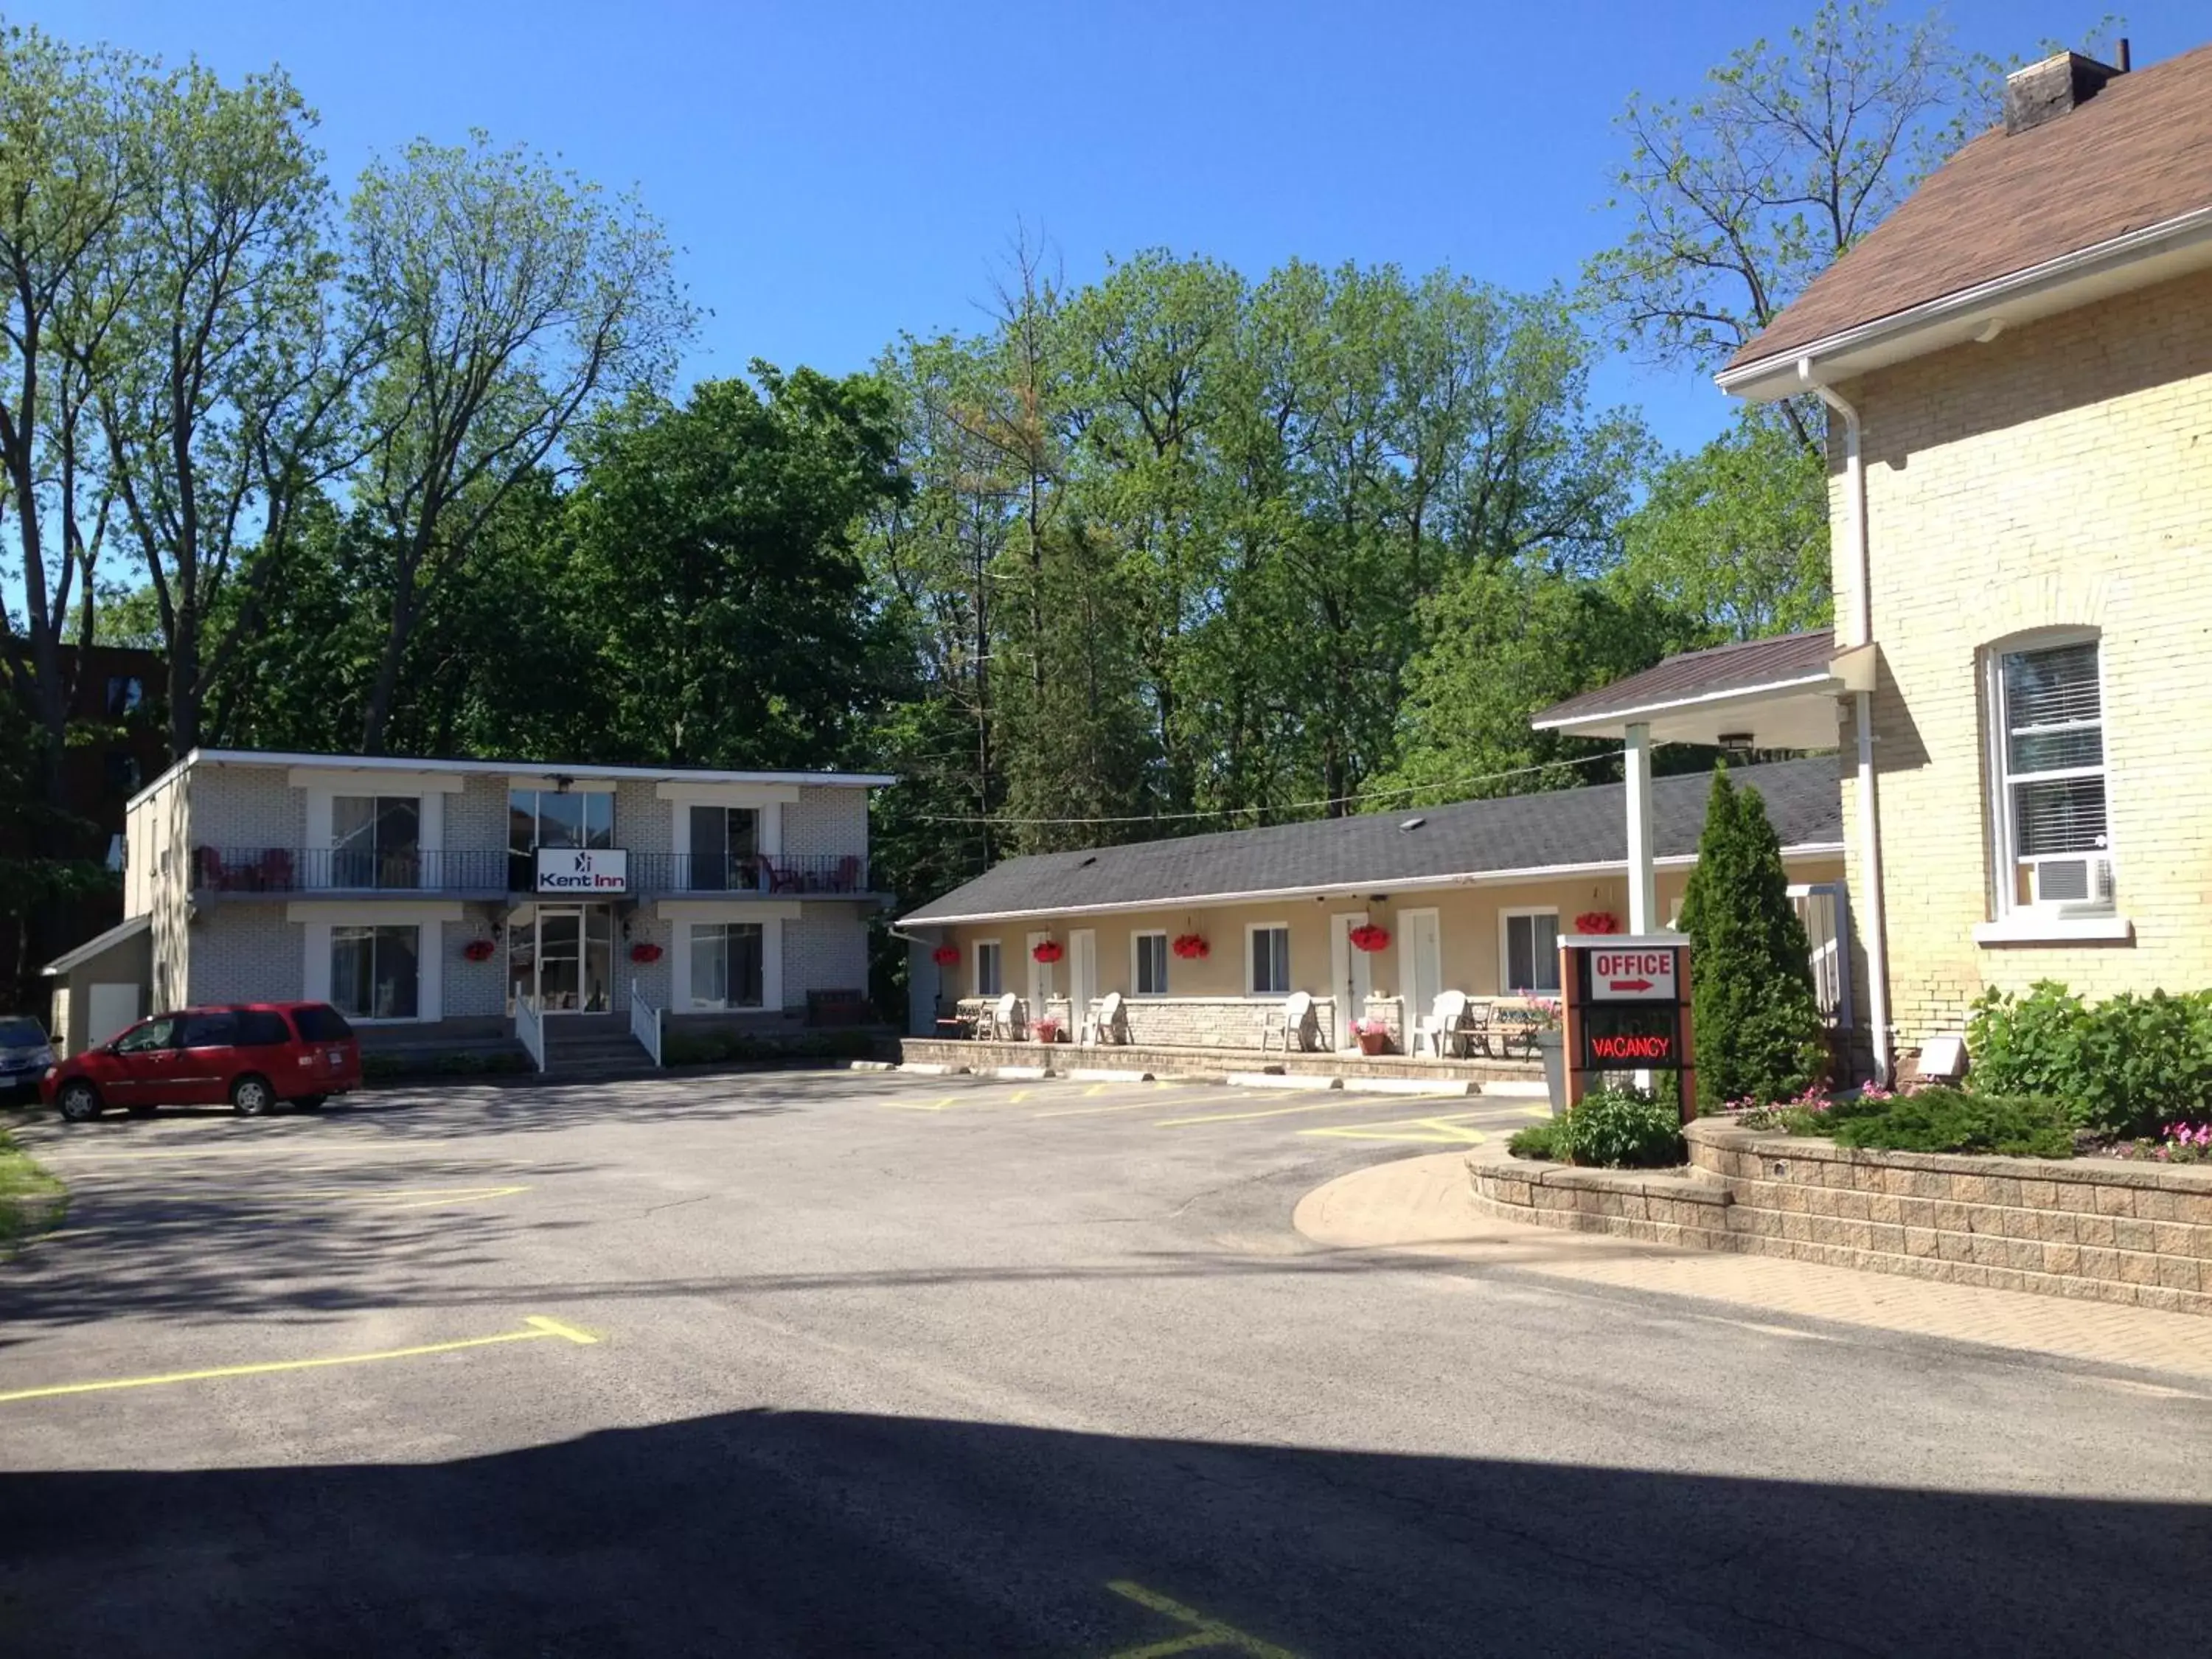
(1751, 971)
(1539, 1141)
(2126, 1066)
(1619, 1129)
(378, 1068)
(1944, 1120)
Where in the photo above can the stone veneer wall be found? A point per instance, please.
(1213, 1021)
(2093, 1228)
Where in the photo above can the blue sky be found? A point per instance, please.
(836, 173)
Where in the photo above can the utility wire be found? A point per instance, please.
(1285, 806)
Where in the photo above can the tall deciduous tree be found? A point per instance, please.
(517, 299)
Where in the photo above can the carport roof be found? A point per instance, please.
(100, 942)
(1560, 832)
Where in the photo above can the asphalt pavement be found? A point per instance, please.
(831, 1364)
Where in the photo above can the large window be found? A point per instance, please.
(373, 971)
(724, 842)
(376, 840)
(726, 965)
(1532, 952)
(1149, 966)
(2050, 757)
(552, 818)
(1270, 961)
(987, 983)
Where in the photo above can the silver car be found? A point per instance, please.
(25, 1053)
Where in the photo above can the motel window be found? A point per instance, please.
(2048, 754)
(1271, 962)
(125, 692)
(724, 839)
(376, 840)
(986, 967)
(374, 972)
(1532, 952)
(726, 965)
(1150, 970)
(553, 818)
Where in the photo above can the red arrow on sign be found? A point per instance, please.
(1628, 984)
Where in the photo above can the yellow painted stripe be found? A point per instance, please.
(1419, 1131)
(1216, 1633)
(1339, 1103)
(540, 1329)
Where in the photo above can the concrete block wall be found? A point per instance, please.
(243, 953)
(2057, 478)
(1214, 1022)
(246, 807)
(825, 949)
(828, 821)
(468, 990)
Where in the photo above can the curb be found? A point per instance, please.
(1282, 1080)
(1107, 1074)
(1409, 1085)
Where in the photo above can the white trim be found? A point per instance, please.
(728, 794)
(680, 1000)
(536, 783)
(1348, 966)
(1252, 927)
(360, 913)
(349, 780)
(1351, 889)
(1135, 979)
(1416, 1007)
(2032, 291)
(975, 972)
(466, 768)
(1826, 679)
(707, 910)
(2025, 928)
(1505, 916)
(1999, 828)
(429, 954)
(130, 928)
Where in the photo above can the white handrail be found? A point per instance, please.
(530, 1027)
(644, 1024)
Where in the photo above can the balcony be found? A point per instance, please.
(245, 872)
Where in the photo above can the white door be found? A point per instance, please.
(1040, 979)
(1082, 975)
(1421, 965)
(1349, 975)
(109, 1009)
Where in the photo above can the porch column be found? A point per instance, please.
(1643, 889)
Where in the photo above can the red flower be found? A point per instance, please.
(1597, 922)
(479, 950)
(1050, 950)
(945, 956)
(644, 951)
(1191, 947)
(1367, 936)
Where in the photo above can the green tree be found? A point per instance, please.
(1735, 537)
(1758, 1024)
(516, 300)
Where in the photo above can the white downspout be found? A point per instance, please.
(1862, 633)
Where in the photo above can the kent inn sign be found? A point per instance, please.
(594, 870)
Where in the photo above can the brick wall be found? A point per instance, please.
(825, 949)
(2060, 476)
(246, 806)
(827, 820)
(244, 951)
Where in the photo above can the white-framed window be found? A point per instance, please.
(1267, 959)
(376, 972)
(725, 848)
(376, 840)
(1528, 951)
(988, 960)
(1148, 964)
(2048, 824)
(729, 965)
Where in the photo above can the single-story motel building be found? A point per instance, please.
(1472, 896)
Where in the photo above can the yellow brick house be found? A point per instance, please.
(2017, 366)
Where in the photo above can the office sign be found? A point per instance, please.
(585, 872)
(1633, 973)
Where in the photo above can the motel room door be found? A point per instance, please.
(1082, 976)
(1350, 975)
(1420, 966)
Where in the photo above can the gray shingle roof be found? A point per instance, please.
(1739, 667)
(1566, 826)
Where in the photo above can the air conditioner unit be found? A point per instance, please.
(2079, 883)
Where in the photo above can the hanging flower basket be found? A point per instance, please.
(1597, 922)
(945, 956)
(479, 949)
(644, 951)
(1050, 950)
(1370, 937)
(1191, 947)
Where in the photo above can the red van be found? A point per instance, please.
(251, 1054)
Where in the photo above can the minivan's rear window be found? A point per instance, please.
(262, 1028)
(320, 1023)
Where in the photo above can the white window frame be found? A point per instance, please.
(998, 948)
(1290, 980)
(425, 984)
(1136, 961)
(2004, 861)
(697, 1004)
(1506, 917)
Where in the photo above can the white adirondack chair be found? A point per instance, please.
(1296, 1018)
(1444, 1023)
(1103, 1023)
(1006, 1017)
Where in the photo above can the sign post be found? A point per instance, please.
(1627, 1000)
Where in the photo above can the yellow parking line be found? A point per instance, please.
(1420, 1131)
(1338, 1102)
(946, 1104)
(540, 1327)
(1205, 1633)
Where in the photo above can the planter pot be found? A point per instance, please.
(1374, 1042)
(1553, 1045)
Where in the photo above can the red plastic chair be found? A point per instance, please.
(849, 874)
(207, 864)
(275, 874)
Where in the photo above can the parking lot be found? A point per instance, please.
(822, 1363)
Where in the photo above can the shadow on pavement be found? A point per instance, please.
(761, 1533)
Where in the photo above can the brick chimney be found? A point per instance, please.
(2043, 92)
